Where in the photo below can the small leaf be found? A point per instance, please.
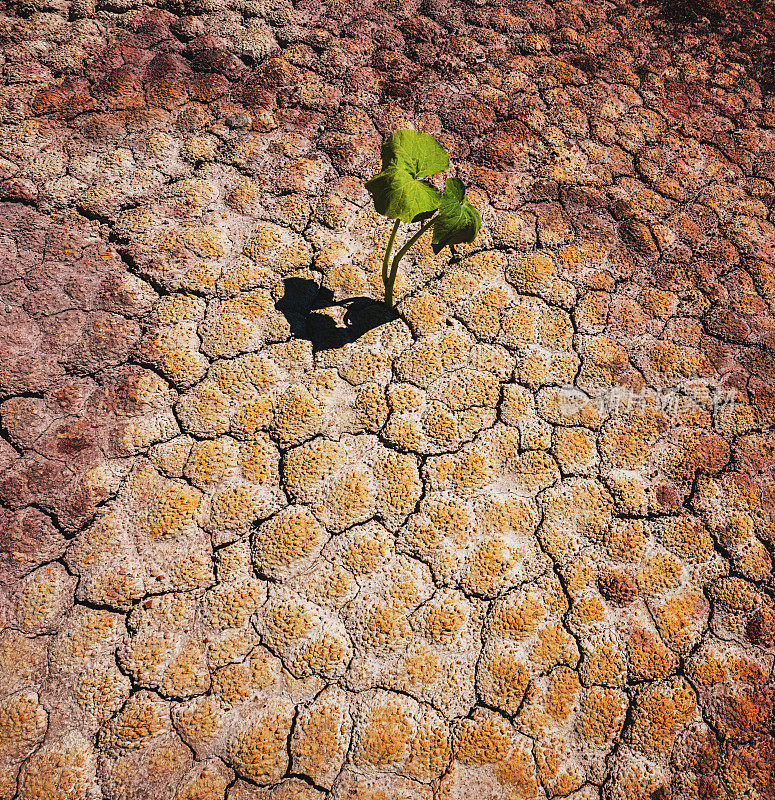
(457, 221)
(420, 154)
(397, 195)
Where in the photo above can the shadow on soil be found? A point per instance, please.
(313, 314)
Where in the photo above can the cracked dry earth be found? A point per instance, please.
(258, 543)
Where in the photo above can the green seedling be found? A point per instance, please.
(401, 192)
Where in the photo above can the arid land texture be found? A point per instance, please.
(258, 543)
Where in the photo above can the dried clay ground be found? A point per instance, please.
(261, 539)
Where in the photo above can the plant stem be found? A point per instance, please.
(386, 261)
(390, 281)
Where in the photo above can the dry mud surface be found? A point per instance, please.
(261, 540)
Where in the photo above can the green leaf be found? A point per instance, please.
(457, 220)
(398, 192)
(418, 153)
(397, 195)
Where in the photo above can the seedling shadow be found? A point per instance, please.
(313, 314)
